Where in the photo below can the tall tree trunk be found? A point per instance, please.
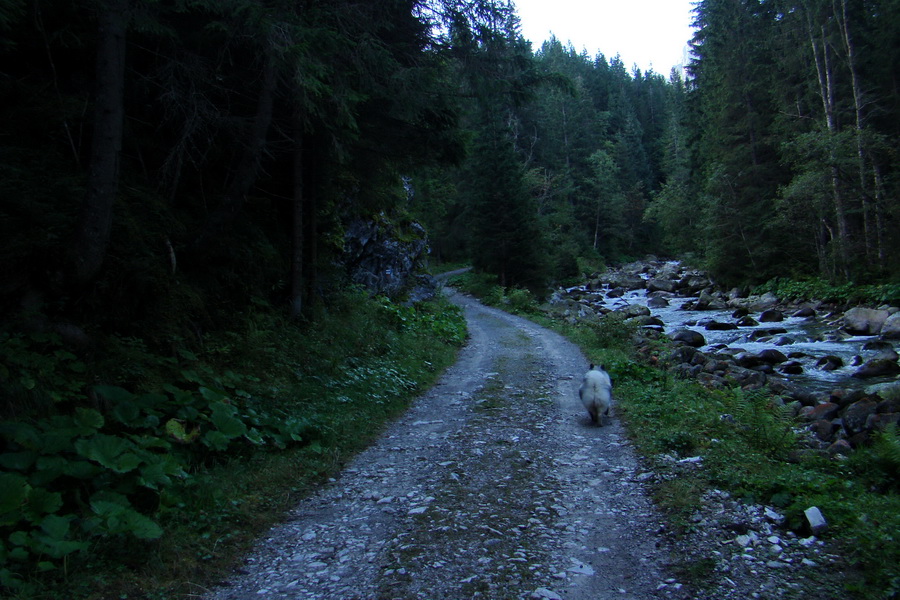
(297, 224)
(248, 167)
(850, 49)
(825, 72)
(95, 223)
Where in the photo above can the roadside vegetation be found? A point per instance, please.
(747, 444)
(150, 484)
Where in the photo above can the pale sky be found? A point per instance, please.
(646, 32)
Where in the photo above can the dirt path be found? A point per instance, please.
(493, 485)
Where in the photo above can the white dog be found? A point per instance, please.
(596, 393)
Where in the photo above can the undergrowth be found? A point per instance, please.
(151, 481)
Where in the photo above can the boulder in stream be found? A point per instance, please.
(864, 321)
(878, 367)
(689, 337)
(890, 330)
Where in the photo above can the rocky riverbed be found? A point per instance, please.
(836, 369)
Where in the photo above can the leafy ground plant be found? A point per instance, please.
(191, 469)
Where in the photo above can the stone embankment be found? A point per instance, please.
(839, 419)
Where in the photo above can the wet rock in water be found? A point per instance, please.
(856, 361)
(804, 312)
(661, 285)
(783, 340)
(830, 362)
(890, 330)
(771, 316)
(791, 367)
(878, 368)
(615, 293)
(693, 283)
(772, 356)
(758, 334)
(657, 302)
(635, 310)
(864, 321)
(625, 281)
(719, 326)
(857, 414)
(649, 321)
(689, 337)
(740, 313)
(747, 321)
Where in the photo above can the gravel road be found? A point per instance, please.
(493, 485)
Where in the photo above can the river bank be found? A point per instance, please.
(835, 367)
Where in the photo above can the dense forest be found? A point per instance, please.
(143, 139)
(178, 179)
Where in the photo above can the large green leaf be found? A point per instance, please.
(127, 413)
(18, 461)
(13, 492)
(216, 440)
(224, 417)
(110, 451)
(42, 502)
(89, 418)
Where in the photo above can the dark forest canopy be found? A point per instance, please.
(232, 141)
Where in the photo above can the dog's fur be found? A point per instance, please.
(596, 393)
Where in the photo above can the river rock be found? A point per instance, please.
(830, 362)
(764, 302)
(888, 391)
(791, 367)
(661, 285)
(840, 447)
(878, 367)
(823, 412)
(824, 429)
(693, 283)
(719, 326)
(683, 354)
(880, 422)
(758, 334)
(857, 414)
(634, 310)
(890, 330)
(657, 302)
(649, 321)
(864, 321)
(689, 337)
(747, 321)
(805, 312)
(771, 316)
(625, 281)
(771, 356)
